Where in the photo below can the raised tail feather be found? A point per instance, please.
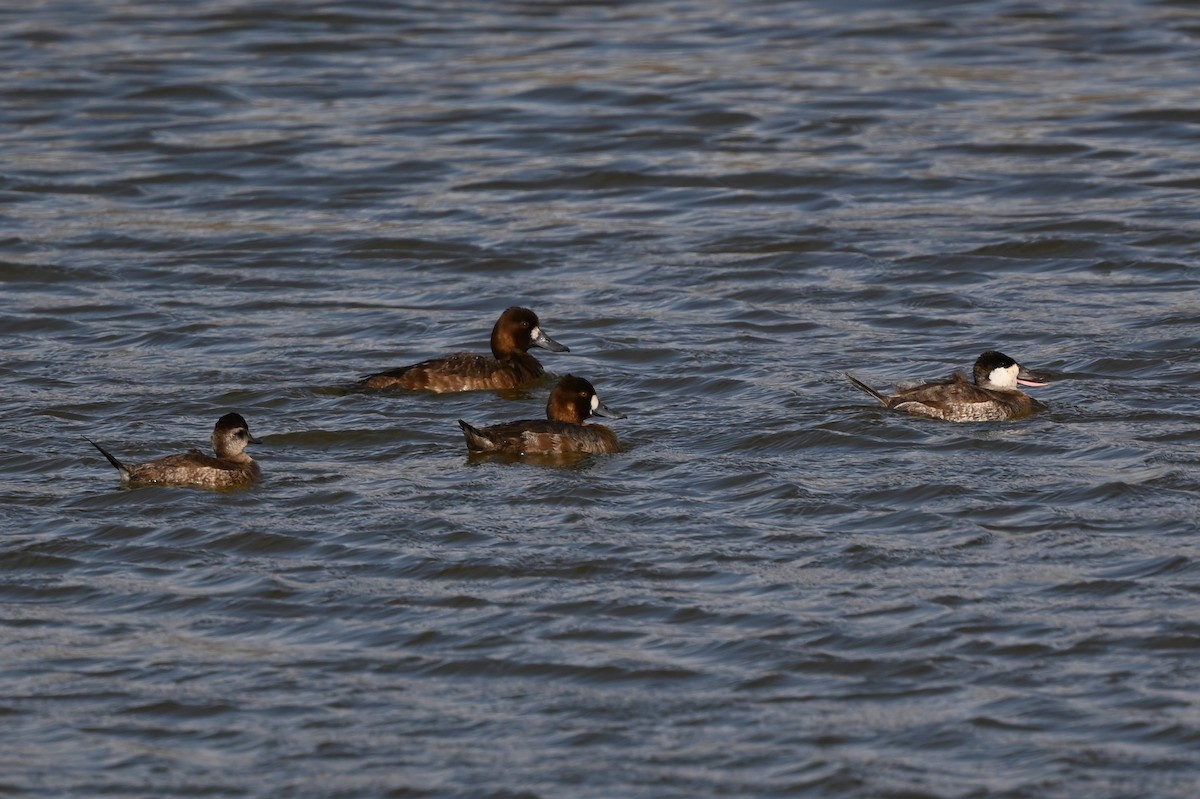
(861, 386)
(476, 440)
(122, 468)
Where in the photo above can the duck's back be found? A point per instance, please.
(541, 437)
(194, 468)
(960, 400)
(462, 371)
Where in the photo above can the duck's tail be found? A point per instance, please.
(122, 468)
(861, 386)
(477, 440)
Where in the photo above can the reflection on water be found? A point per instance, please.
(777, 587)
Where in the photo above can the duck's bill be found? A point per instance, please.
(604, 410)
(547, 343)
(1028, 378)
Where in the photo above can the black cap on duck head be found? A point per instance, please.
(987, 363)
(997, 369)
(231, 423)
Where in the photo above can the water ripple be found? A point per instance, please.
(776, 588)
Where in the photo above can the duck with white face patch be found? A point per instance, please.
(510, 365)
(992, 393)
(563, 431)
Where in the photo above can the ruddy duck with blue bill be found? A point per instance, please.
(991, 395)
(511, 365)
(563, 431)
(231, 468)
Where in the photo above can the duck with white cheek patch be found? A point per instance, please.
(563, 431)
(992, 393)
(510, 365)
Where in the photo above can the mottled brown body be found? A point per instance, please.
(541, 437)
(510, 367)
(230, 468)
(463, 371)
(959, 400)
(195, 469)
(572, 401)
(990, 395)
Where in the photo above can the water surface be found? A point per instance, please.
(777, 588)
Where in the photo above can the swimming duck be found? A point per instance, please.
(572, 401)
(231, 468)
(990, 395)
(511, 366)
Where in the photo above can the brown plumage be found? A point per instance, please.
(990, 395)
(511, 366)
(572, 401)
(231, 468)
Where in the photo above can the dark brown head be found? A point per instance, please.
(574, 400)
(517, 330)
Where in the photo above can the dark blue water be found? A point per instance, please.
(777, 588)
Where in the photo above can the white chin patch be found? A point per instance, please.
(535, 333)
(595, 403)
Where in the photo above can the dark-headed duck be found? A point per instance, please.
(511, 366)
(991, 394)
(563, 431)
(231, 468)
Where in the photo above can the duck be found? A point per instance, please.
(231, 468)
(510, 366)
(572, 401)
(991, 394)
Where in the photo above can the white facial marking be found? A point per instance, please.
(1004, 376)
(595, 403)
(535, 333)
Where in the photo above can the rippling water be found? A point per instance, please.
(776, 589)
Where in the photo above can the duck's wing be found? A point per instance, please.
(461, 371)
(505, 437)
(957, 399)
(540, 437)
(416, 376)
